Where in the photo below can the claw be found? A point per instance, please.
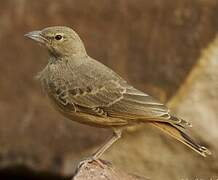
(100, 162)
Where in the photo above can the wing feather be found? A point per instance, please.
(99, 91)
(119, 100)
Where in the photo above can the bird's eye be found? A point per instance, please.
(58, 37)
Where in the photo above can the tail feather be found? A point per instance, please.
(180, 122)
(181, 136)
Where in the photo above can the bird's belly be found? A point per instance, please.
(88, 119)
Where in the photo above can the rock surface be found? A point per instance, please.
(95, 171)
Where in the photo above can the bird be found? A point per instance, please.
(86, 91)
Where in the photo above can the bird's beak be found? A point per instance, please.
(36, 36)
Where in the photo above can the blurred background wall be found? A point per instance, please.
(155, 45)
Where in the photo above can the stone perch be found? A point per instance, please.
(95, 171)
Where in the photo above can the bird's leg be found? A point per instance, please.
(116, 135)
(95, 157)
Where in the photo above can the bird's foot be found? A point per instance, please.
(100, 162)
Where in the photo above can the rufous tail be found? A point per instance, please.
(180, 135)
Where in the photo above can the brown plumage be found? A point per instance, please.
(86, 91)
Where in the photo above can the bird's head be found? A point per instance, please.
(59, 40)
